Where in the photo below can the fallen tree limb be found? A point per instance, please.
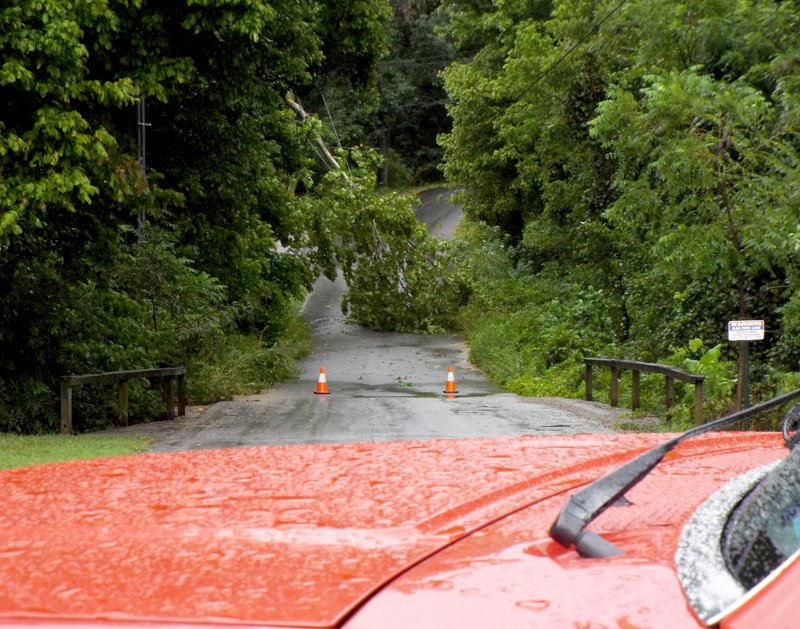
(328, 158)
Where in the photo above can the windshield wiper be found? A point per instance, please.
(585, 505)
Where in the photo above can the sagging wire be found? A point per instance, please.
(335, 132)
(594, 28)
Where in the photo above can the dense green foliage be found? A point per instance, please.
(238, 208)
(629, 173)
(638, 163)
(407, 112)
(413, 100)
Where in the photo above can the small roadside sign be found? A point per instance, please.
(746, 330)
(743, 331)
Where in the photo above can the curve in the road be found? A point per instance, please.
(383, 386)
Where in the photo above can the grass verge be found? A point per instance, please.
(25, 450)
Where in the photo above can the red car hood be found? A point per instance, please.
(374, 535)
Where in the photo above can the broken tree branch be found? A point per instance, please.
(327, 157)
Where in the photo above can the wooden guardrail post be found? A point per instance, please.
(122, 403)
(635, 389)
(670, 373)
(589, 382)
(66, 407)
(181, 394)
(614, 386)
(670, 392)
(166, 374)
(169, 398)
(698, 402)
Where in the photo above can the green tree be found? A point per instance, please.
(226, 158)
(413, 101)
(406, 109)
(53, 153)
(645, 149)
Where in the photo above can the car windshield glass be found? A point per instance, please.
(764, 529)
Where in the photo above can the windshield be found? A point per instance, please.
(764, 529)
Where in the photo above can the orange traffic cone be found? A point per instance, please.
(450, 386)
(322, 383)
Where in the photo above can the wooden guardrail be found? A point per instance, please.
(166, 374)
(636, 367)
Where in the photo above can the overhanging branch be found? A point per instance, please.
(327, 157)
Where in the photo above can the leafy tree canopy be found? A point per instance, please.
(231, 192)
(649, 149)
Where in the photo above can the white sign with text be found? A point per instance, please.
(745, 330)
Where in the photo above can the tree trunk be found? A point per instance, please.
(385, 153)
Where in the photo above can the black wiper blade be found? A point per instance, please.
(585, 505)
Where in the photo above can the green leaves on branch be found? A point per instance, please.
(227, 168)
(49, 149)
(704, 169)
(399, 278)
(643, 149)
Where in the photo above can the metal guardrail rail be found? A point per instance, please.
(166, 374)
(636, 367)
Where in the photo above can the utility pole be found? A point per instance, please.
(141, 137)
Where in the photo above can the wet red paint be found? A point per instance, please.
(512, 575)
(302, 535)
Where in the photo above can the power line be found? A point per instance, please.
(333, 126)
(595, 27)
(464, 54)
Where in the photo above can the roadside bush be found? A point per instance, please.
(244, 364)
(529, 333)
(147, 306)
(400, 176)
(26, 406)
(718, 386)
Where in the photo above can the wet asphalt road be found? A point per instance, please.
(383, 387)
